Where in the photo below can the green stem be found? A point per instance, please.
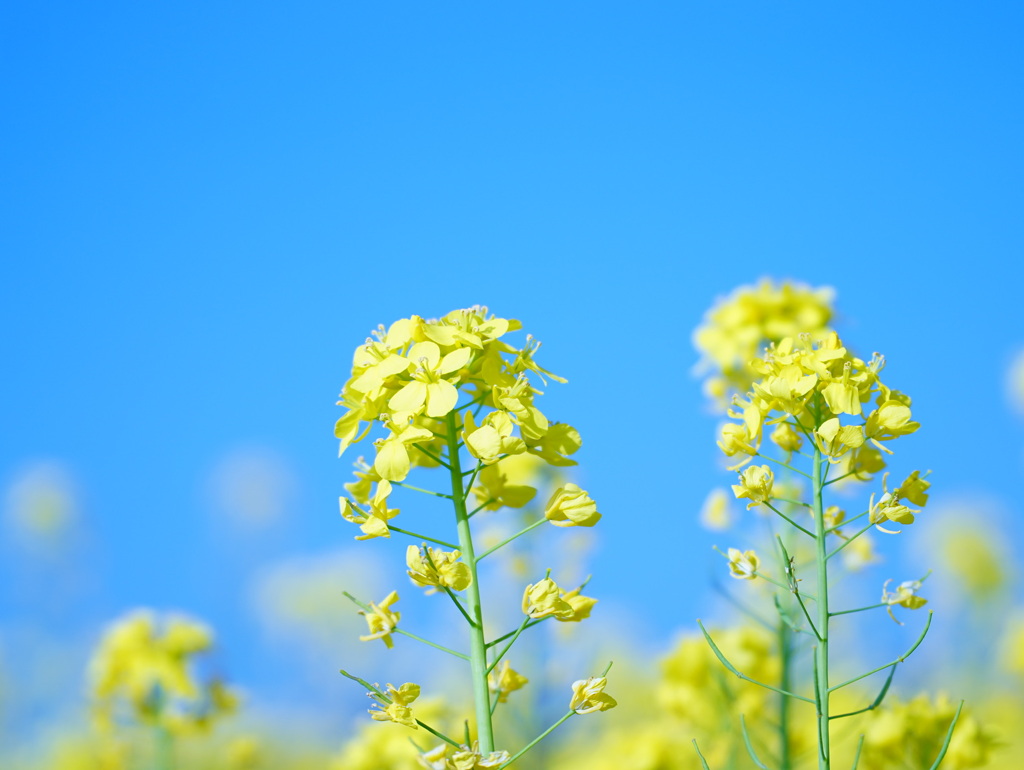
(535, 741)
(164, 749)
(784, 465)
(503, 637)
(477, 643)
(859, 609)
(418, 536)
(508, 540)
(785, 653)
(403, 485)
(522, 627)
(780, 513)
(821, 650)
(849, 540)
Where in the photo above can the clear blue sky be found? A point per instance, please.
(205, 207)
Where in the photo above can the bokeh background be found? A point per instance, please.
(206, 207)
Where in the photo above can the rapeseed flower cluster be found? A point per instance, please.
(145, 671)
(738, 327)
(813, 398)
(454, 394)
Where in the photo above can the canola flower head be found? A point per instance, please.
(889, 507)
(144, 670)
(545, 599)
(406, 381)
(907, 734)
(742, 564)
(571, 506)
(505, 680)
(756, 483)
(905, 595)
(434, 568)
(588, 695)
(736, 329)
(395, 707)
(382, 620)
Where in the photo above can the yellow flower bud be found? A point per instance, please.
(588, 695)
(755, 484)
(571, 506)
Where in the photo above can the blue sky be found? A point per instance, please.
(206, 208)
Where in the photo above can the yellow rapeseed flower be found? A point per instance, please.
(395, 708)
(435, 568)
(571, 506)
(588, 695)
(755, 484)
(382, 620)
(742, 564)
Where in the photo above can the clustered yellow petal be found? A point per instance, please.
(571, 506)
(736, 329)
(406, 379)
(742, 564)
(435, 568)
(505, 680)
(545, 599)
(445, 757)
(900, 733)
(143, 669)
(905, 595)
(382, 620)
(755, 484)
(395, 706)
(588, 695)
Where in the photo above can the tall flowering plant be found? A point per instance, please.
(829, 418)
(454, 396)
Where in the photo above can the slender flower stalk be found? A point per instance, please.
(477, 642)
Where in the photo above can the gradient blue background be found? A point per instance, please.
(205, 207)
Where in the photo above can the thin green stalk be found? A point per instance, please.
(403, 485)
(784, 465)
(522, 627)
(535, 741)
(703, 762)
(503, 637)
(848, 540)
(749, 745)
(433, 457)
(477, 643)
(859, 609)
(785, 654)
(508, 540)
(418, 536)
(725, 662)
(900, 659)
(780, 513)
(383, 696)
(949, 737)
(821, 651)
